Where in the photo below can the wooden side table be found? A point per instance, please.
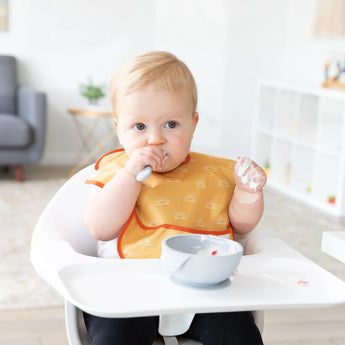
(90, 144)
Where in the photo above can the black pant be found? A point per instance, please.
(237, 328)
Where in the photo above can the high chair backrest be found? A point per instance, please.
(64, 216)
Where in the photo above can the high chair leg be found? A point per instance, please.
(76, 334)
(169, 340)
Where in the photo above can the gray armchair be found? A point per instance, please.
(22, 120)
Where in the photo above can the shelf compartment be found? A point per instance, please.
(280, 165)
(263, 151)
(331, 124)
(308, 118)
(267, 107)
(286, 113)
(302, 169)
(327, 170)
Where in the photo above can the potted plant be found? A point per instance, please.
(92, 92)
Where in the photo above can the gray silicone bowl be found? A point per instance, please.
(181, 258)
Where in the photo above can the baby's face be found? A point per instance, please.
(161, 118)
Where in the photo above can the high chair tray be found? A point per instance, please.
(333, 244)
(276, 277)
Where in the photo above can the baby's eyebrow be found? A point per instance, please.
(134, 123)
(137, 120)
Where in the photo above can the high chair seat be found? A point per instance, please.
(271, 275)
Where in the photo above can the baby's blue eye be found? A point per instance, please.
(171, 124)
(139, 126)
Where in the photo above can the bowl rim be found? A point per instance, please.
(239, 246)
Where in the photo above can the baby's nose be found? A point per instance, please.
(156, 138)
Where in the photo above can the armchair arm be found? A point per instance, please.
(31, 106)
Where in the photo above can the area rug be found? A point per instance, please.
(20, 207)
(22, 203)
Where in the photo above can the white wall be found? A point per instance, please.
(304, 55)
(60, 43)
(196, 31)
(228, 44)
(255, 45)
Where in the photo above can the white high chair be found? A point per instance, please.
(63, 253)
(61, 239)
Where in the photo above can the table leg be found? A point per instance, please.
(91, 154)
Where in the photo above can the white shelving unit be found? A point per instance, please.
(299, 137)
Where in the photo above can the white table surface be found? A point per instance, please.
(333, 244)
(276, 277)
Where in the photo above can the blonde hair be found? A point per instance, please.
(163, 70)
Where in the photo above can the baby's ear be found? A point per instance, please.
(195, 119)
(116, 123)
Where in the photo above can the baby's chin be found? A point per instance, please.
(170, 167)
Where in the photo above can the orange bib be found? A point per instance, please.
(193, 198)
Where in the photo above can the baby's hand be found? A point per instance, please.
(249, 176)
(144, 156)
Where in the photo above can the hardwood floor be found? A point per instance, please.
(305, 326)
(45, 326)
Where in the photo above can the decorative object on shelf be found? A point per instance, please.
(3, 15)
(331, 199)
(335, 73)
(267, 168)
(329, 18)
(92, 92)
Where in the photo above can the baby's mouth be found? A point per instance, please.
(166, 156)
(146, 172)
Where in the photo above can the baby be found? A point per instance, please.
(154, 100)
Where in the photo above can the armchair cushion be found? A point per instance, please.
(8, 84)
(14, 131)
